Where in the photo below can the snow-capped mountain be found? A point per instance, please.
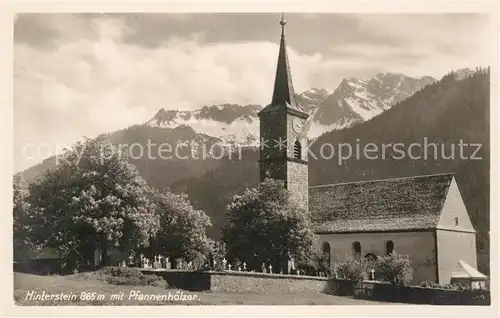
(311, 99)
(229, 122)
(354, 101)
(358, 100)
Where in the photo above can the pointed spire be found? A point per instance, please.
(284, 93)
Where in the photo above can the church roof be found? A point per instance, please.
(283, 93)
(402, 204)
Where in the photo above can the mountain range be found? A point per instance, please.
(352, 102)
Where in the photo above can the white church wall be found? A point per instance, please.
(454, 215)
(419, 246)
(456, 237)
(454, 246)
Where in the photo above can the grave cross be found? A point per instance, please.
(224, 262)
(373, 274)
(239, 268)
(244, 266)
(270, 268)
(229, 266)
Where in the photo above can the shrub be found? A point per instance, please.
(351, 269)
(313, 262)
(432, 284)
(429, 284)
(129, 276)
(395, 268)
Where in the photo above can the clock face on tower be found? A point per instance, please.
(297, 125)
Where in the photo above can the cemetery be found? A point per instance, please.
(224, 277)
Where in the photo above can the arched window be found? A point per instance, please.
(356, 249)
(389, 247)
(297, 149)
(327, 252)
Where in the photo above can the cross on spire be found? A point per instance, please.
(283, 22)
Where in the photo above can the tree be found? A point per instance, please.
(22, 244)
(266, 227)
(92, 199)
(182, 228)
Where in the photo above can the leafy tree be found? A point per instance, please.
(182, 228)
(92, 199)
(266, 227)
(22, 244)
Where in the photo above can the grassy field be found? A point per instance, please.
(78, 285)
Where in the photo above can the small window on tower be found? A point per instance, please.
(456, 221)
(297, 149)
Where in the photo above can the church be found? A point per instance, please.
(423, 217)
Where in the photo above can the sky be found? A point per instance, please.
(79, 75)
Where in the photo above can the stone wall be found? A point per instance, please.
(267, 283)
(241, 281)
(298, 183)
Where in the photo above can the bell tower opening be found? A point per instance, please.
(297, 150)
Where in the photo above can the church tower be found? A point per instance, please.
(283, 151)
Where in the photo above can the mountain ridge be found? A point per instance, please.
(352, 102)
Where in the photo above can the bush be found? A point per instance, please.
(352, 269)
(129, 276)
(429, 284)
(395, 268)
(313, 262)
(432, 284)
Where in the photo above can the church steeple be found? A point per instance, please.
(284, 94)
(283, 153)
